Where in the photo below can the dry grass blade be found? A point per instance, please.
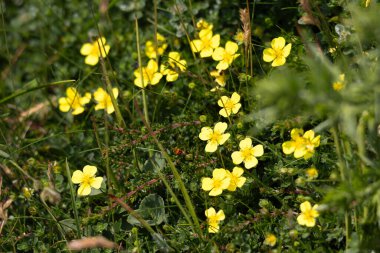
(91, 243)
(246, 25)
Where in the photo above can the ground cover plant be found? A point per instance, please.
(190, 126)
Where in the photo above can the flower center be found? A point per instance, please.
(87, 180)
(228, 57)
(247, 152)
(229, 105)
(278, 53)
(215, 136)
(217, 183)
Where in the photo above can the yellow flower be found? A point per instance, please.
(247, 153)
(104, 100)
(150, 75)
(94, 50)
(175, 65)
(214, 137)
(86, 180)
(220, 78)
(213, 219)
(150, 49)
(308, 214)
(219, 182)
(229, 105)
(367, 3)
(236, 180)
(203, 24)
(27, 192)
(225, 56)
(206, 43)
(239, 37)
(312, 173)
(338, 85)
(270, 240)
(278, 53)
(74, 101)
(301, 146)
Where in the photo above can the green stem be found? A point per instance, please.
(72, 193)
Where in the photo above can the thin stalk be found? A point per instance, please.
(171, 192)
(344, 177)
(119, 118)
(72, 193)
(110, 175)
(145, 107)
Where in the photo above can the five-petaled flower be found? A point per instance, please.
(74, 101)
(150, 49)
(220, 78)
(229, 105)
(94, 50)
(104, 100)
(247, 153)
(236, 179)
(206, 43)
(270, 240)
(213, 219)
(220, 181)
(278, 53)
(86, 180)
(308, 214)
(214, 137)
(311, 173)
(175, 65)
(150, 75)
(302, 146)
(225, 56)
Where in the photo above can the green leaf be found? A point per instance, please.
(151, 209)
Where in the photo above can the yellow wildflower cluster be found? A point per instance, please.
(278, 52)
(150, 49)
(223, 180)
(308, 214)
(93, 51)
(86, 180)
(75, 102)
(213, 219)
(302, 144)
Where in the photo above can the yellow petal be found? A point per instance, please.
(97, 182)
(110, 108)
(220, 215)
(86, 49)
(152, 66)
(279, 61)
(220, 127)
(222, 65)
(222, 101)
(84, 190)
(305, 206)
(213, 227)
(64, 106)
(210, 212)
(246, 143)
(288, 147)
(236, 108)
(77, 177)
(206, 52)
(309, 135)
(78, 110)
(86, 99)
(218, 54)
(250, 162)
(300, 152)
(237, 157)
(225, 183)
(286, 50)
(235, 98)
(215, 192)
(219, 174)
(205, 34)
(91, 60)
(207, 184)
(100, 106)
(223, 138)
(156, 78)
(258, 150)
(269, 55)
(99, 95)
(231, 47)
(316, 141)
(196, 45)
(278, 43)
(211, 146)
(174, 56)
(115, 92)
(215, 41)
(237, 171)
(172, 76)
(206, 133)
(296, 132)
(89, 170)
(241, 181)
(224, 112)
